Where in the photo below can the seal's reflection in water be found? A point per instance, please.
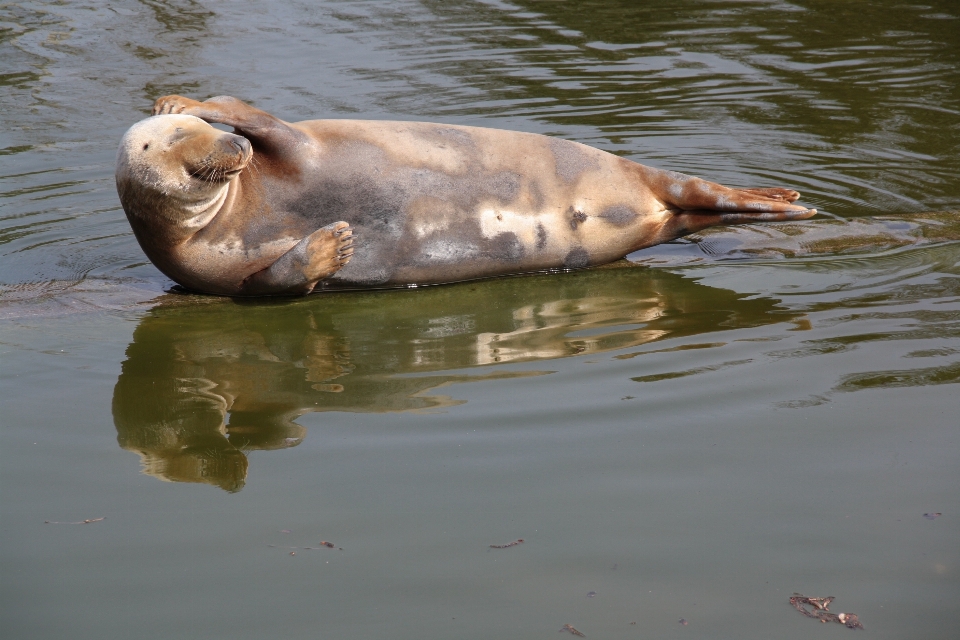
(206, 379)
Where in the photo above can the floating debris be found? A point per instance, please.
(285, 531)
(91, 520)
(821, 612)
(850, 620)
(326, 545)
(293, 553)
(932, 516)
(509, 544)
(591, 594)
(683, 622)
(570, 629)
(823, 604)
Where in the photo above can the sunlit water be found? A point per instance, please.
(693, 434)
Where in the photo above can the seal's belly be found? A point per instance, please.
(434, 203)
(428, 239)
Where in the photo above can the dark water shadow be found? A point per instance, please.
(206, 380)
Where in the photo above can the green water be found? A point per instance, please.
(694, 434)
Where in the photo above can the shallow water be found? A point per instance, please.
(694, 434)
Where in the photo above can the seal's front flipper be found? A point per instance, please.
(297, 272)
(175, 104)
(250, 122)
(221, 110)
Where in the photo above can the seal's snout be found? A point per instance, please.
(241, 144)
(240, 149)
(224, 157)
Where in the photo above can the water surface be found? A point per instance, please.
(694, 433)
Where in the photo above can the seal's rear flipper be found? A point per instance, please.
(776, 193)
(680, 192)
(693, 204)
(320, 255)
(682, 223)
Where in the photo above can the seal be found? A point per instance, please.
(277, 208)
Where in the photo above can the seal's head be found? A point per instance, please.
(176, 169)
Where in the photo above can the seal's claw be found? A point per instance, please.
(345, 252)
(344, 234)
(327, 250)
(173, 104)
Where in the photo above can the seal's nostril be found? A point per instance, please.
(238, 143)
